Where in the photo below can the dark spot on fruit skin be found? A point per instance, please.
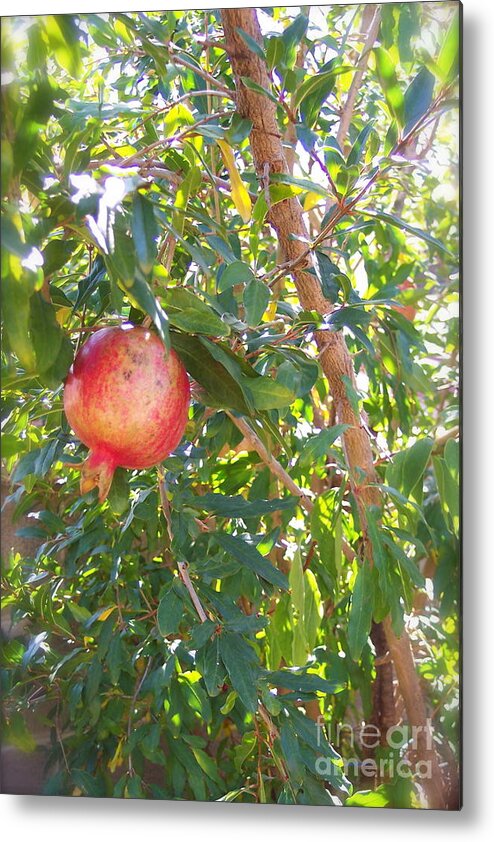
(127, 374)
(159, 383)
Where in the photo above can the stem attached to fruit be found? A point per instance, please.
(96, 472)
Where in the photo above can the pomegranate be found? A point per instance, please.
(127, 400)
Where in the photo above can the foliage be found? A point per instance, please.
(129, 193)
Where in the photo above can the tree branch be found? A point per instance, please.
(346, 114)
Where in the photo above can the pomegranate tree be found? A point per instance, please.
(127, 400)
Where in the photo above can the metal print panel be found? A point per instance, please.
(230, 440)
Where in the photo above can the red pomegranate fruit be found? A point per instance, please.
(127, 401)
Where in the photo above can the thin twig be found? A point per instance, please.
(200, 72)
(272, 463)
(181, 565)
(278, 470)
(132, 705)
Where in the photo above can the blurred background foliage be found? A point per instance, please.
(128, 193)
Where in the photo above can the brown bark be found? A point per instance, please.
(423, 750)
(287, 220)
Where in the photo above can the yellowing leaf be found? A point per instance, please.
(62, 315)
(270, 313)
(117, 758)
(311, 200)
(240, 195)
(102, 617)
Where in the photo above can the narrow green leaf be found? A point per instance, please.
(233, 274)
(319, 86)
(418, 97)
(238, 507)
(242, 666)
(302, 681)
(143, 298)
(256, 298)
(252, 44)
(247, 554)
(268, 393)
(358, 147)
(210, 665)
(46, 333)
(16, 319)
(361, 610)
(390, 85)
(170, 612)
(397, 222)
(221, 388)
(258, 89)
(187, 311)
(297, 589)
(144, 232)
(447, 61)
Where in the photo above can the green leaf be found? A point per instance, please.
(144, 232)
(170, 612)
(252, 44)
(317, 447)
(302, 681)
(407, 468)
(358, 147)
(447, 62)
(327, 272)
(238, 507)
(220, 386)
(258, 89)
(210, 665)
(404, 562)
(46, 333)
(189, 187)
(56, 373)
(256, 298)
(187, 311)
(233, 274)
(297, 589)
(119, 494)
(37, 461)
(418, 97)
(247, 554)
(319, 86)
(207, 765)
(242, 667)
(292, 37)
(16, 320)
(143, 298)
(238, 130)
(390, 85)
(397, 222)
(449, 492)
(367, 798)
(275, 52)
(359, 623)
(65, 39)
(268, 393)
